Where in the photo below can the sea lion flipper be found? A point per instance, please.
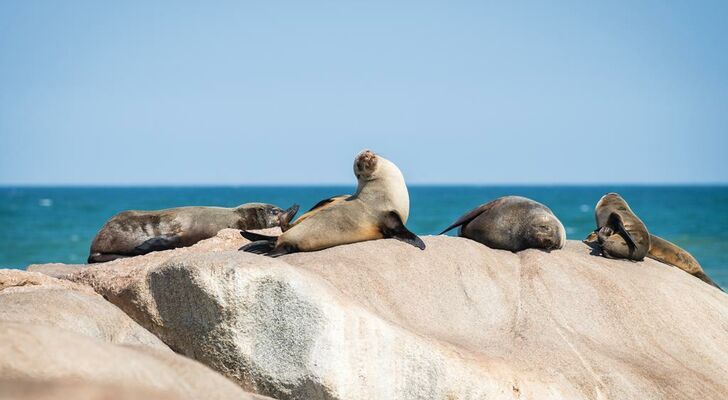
(471, 215)
(286, 217)
(157, 243)
(258, 247)
(255, 237)
(616, 222)
(392, 227)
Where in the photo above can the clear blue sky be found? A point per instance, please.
(104, 92)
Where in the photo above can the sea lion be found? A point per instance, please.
(133, 233)
(378, 209)
(620, 233)
(669, 253)
(512, 223)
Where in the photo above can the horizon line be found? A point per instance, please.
(335, 184)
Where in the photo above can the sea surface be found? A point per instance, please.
(57, 224)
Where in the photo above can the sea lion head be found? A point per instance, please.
(259, 215)
(365, 165)
(545, 231)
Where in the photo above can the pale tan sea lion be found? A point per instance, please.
(620, 233)
(378, 209)
(512, 223)
(133, 233)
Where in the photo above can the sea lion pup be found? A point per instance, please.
(669, 253)
(512, 223)
(620, 233)
(133, 233)
(378, 209)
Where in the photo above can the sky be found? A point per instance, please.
(235, 93)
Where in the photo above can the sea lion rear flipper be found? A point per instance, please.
(258, 247)
(470, 216)
(157, 244)
(615, 221)
(255, 237)
(392, 227)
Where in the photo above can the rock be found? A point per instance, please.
(382, 319)
(37, 353)
(33, 298)
(55, 270)
(57, 390)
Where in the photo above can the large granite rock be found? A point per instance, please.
(60, 339)
(382, 319)
(40, 354)
(33, 298)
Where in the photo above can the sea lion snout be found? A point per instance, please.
(365, 164)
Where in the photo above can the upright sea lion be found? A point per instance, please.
(512, 223)
(620, 233)
(133, 233)
(378, 209)
(669, 253)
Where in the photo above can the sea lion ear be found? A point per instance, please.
(392, 227)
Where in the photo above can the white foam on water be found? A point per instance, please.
(584, 208)
(45, 202)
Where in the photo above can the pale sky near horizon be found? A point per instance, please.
(288, 92)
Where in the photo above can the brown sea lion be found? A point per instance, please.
(669, 253)
(133, 233)
(378, 209)
(512, 223)
(620, 233)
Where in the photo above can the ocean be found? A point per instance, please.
(57, 224)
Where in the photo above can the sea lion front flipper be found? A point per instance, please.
(258, 247)
(157, 244)
(392, 227)
(616, 222)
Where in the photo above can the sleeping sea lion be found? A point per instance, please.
(512, 223)
(378, 209)
(133, 233)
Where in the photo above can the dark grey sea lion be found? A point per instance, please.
(379, 209)
(512, 223)
(620, 233)
(133, 233)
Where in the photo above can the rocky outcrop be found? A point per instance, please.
(382, 319)
(33, 298)
(59, 339)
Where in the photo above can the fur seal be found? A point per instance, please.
(512, 223)
(620, 233)
(669, 253)
(378, 209)
(133, 233)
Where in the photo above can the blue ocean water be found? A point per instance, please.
(57, 224)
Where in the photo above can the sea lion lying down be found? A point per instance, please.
(512, 223)
(133, 233)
